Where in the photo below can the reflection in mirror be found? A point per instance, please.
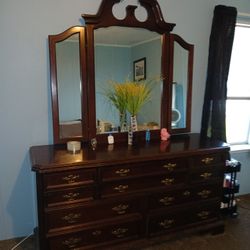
(69, 86)
(180, 86)
(116, 50)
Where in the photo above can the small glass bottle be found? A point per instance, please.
(147, 137)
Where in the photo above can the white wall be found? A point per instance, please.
(24, 86)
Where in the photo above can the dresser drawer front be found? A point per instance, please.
(141, 169)
(97, 236)
(204, 212)
(205, 192)
(167, 221)
(69, 196)
(208, 160)
(184, 195)
(207, 175)
(69, 178)
(141, 184)
(73, 217)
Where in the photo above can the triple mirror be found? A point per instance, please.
(88, 61)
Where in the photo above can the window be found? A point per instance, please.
(238, 89)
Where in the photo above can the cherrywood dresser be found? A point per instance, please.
(117, 193)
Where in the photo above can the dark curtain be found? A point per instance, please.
(213, 123)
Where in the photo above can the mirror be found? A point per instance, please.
(84, 60)
(68, 84)
(181, 83)
(126, 54)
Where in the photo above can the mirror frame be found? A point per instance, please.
(53, 40)
(190, 49)
(105, 18)
(154, 22)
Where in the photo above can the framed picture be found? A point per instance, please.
(140, 69)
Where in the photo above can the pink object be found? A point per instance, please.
(164, 134)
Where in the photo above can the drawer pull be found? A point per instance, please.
(71, 196)
(121, 188)
(170, 166)
(168, 181)
(72, 218)
(120, 209)
(72, 242)
(166, 200)
(207, 160)
(204, 193)
(166, 223)
(122, 172)
(186, 193)
(71, 178)
(97, 233)
(120, 232)
(206, 175)
(203, 215)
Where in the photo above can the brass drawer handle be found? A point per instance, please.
(121, 188)
(97, 233)
(207, 160)
(186, 193)
(204, 193)
(120, 209)
(72, 218)
(166, 223)
(166, 200)
(203, 215)
(168, 181)
(206, 175)
(72, 242)
(71, 178)
(122, 172)
(71, 196)
(170, 166)
(119, 232)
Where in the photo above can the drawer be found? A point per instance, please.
(142, 184)
(185, 195)
(75, 216)
(69, 178)
(207, 191)
(208, 160)
(205, 211)
(167, 221)
(69, 196)
(207, 175)
(97, 236)
(141, 169)
(169, 198)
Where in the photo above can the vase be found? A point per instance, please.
(133, 123)
(123, 122)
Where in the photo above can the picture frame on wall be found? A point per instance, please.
(140, 69)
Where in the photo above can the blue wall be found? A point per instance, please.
(25, 107)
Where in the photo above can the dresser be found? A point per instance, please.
(118, 193)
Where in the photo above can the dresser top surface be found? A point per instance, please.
(50, 157)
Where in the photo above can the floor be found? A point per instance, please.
(235, 237)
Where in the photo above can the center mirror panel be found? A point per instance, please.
(129, 56)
